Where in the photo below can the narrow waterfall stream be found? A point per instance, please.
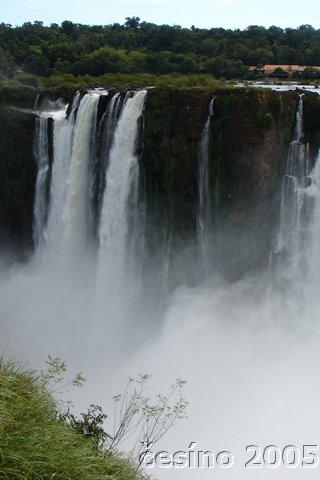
(204, 216)
(295, 205)
(42, 186)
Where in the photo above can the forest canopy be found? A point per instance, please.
(142, 47)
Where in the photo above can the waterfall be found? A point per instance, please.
(76, 211)
(63, 130)
(94, 180)
(204, 201)
(41, 153)
(295, 208)
(36, 102)
(106, 129)
(121, 186)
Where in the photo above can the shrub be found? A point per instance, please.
(35, 444)
(28, 79)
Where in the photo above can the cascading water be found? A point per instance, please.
(295, 202)
(204, 195)
(68, 230)
(41, 153)
(122, 177)
(80, 143)
(109, 123)
(204, 204)
(104, 140)
(63, 129)
(76, 213)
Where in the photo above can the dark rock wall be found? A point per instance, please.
(17, 178)
(311, 121)
(250, 135)
(173, 122)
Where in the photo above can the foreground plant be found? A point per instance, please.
(138, 419)
(36, 444)
(40, 438)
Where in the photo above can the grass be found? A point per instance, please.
(36, 445)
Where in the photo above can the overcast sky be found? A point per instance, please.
(201, 13)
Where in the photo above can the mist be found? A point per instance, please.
(250, 358)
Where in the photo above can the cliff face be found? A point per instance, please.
(173, 122)
(17, 178)
(311, 122)
(249, 137)
(250, 134)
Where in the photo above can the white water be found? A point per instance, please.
(296, 206)
(42, 159)
(62, 146)
(283, 87)
(249, 351)
(204, 201)
(76, 214)
(108, 123)
(121, 182)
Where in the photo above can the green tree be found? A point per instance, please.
(132, 22)
(37, 65)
